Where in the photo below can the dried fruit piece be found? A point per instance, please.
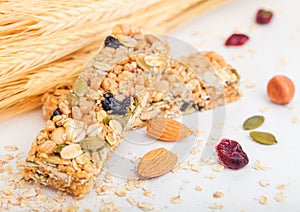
(114, 106)
(263, 137)
(112, 42)
(231, 154)
(167, 129)
(56, 112)
(253, 122)
(263, 16)
(281, 89)
(236, 40)
(156, 163)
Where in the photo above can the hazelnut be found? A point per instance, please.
(281, 89)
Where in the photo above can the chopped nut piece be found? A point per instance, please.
(263, 200)
(259, 166)
(176, 200)
(215, 205)
(218, 194)
(280, 197)
(264, 183)
(11, 148)
(218, 167)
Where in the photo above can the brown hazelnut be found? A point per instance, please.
(281, 89)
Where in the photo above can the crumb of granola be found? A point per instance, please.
(198, 188)
(218, 194)
(121, 192)
(215, 205)
(263, 200)
(218, 167)
(186, 181)
(148, 193)
(195, 168)
(250, 84)
(259, 166)
(176, 199)
(11, 148)
(280, 197)
(264, 183)
(295, 120)
(211, 176)
(281, 186)
(210, 161)
(145, 206)
(132, 201)
(264, 108)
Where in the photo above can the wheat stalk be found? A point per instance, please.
(44, 45)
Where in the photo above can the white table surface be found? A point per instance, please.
(272, 49)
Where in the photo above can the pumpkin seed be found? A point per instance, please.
(263, 137)
(234, 71)
(72, 99)
(60, 147)
(54, 159)
(253, 122)
(92, 143)
(141, 63)
(80, 87)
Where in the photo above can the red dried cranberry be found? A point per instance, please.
(236, 40)
(231, 154)
(263, 16)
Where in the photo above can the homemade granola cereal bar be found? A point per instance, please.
(129, 81)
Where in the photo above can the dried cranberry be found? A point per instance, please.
(236, 40)
(263, 16)
(231, 154)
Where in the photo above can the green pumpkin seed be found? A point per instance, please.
(80, 87)
(54, 159)
(141, 63)
(253, 122)
(60, 147)
(72, 99)
(92, 143)
(263, 137)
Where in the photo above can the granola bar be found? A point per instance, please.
(129, 81)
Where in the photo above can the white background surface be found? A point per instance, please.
(272, 49)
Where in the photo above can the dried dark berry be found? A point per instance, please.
(114, 106)
(236, 40)
(184, 106)
(55, 113)
(263, 16)
(231, 154)
(112, 42)
(197, 107)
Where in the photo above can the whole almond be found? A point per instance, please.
(281, 89)
(156, 163)
(166, 129)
